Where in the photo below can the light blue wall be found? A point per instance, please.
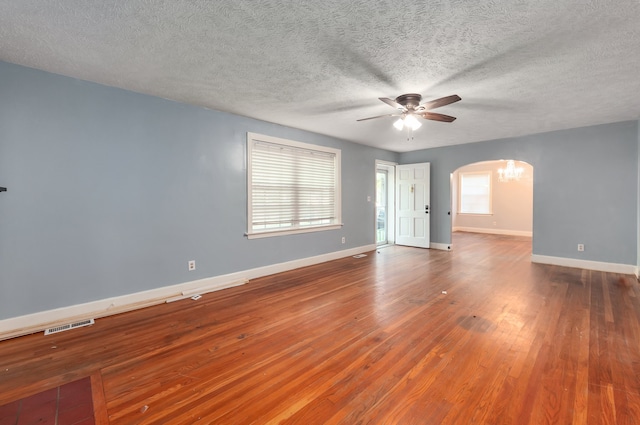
(585, 188)
(638, 200)
(112, 192)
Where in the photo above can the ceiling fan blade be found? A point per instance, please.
(380, 116)
(443, 101)
(391, 103)
(436, 117)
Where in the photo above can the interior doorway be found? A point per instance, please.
(493, 197)
(385, 203)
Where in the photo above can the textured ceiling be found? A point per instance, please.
(521, 67)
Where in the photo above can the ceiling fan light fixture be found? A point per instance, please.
(412, 122)
(399, 124)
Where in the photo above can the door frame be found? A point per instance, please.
(454, 198)
(390, 167)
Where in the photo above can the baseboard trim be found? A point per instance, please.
(493, 231)
(304, 262)
(584, 264)
(36, 322)
(440, 246)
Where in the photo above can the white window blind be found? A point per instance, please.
(475, 193)
(293, 187)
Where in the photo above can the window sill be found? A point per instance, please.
(268, 234)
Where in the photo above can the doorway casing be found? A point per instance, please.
(388, 220)
(505, 203)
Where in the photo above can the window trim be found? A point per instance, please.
(253, 234)
(460, 176)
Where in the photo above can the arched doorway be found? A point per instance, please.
(494, 197)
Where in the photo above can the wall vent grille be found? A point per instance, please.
(69, 326)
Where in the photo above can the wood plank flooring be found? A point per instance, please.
(373, 340)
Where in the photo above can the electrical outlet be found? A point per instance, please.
(344, 240)
(580, 247)
(192, 265)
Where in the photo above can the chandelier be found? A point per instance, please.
(510, 172)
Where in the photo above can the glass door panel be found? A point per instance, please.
(381, 207)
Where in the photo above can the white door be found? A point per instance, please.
(412, 203)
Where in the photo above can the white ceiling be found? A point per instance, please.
(521, 67)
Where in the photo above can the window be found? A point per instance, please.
(292, 187)
(475, 193)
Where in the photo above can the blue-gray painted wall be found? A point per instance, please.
(585, 188)
(111, 192)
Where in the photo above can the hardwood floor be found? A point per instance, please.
(372, 340)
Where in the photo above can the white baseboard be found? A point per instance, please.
(441, 246)
(303, 262)
(584, 264)
(493, 231)
(36, 322)
(638, 273)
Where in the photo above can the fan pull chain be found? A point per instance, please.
(409, 134)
